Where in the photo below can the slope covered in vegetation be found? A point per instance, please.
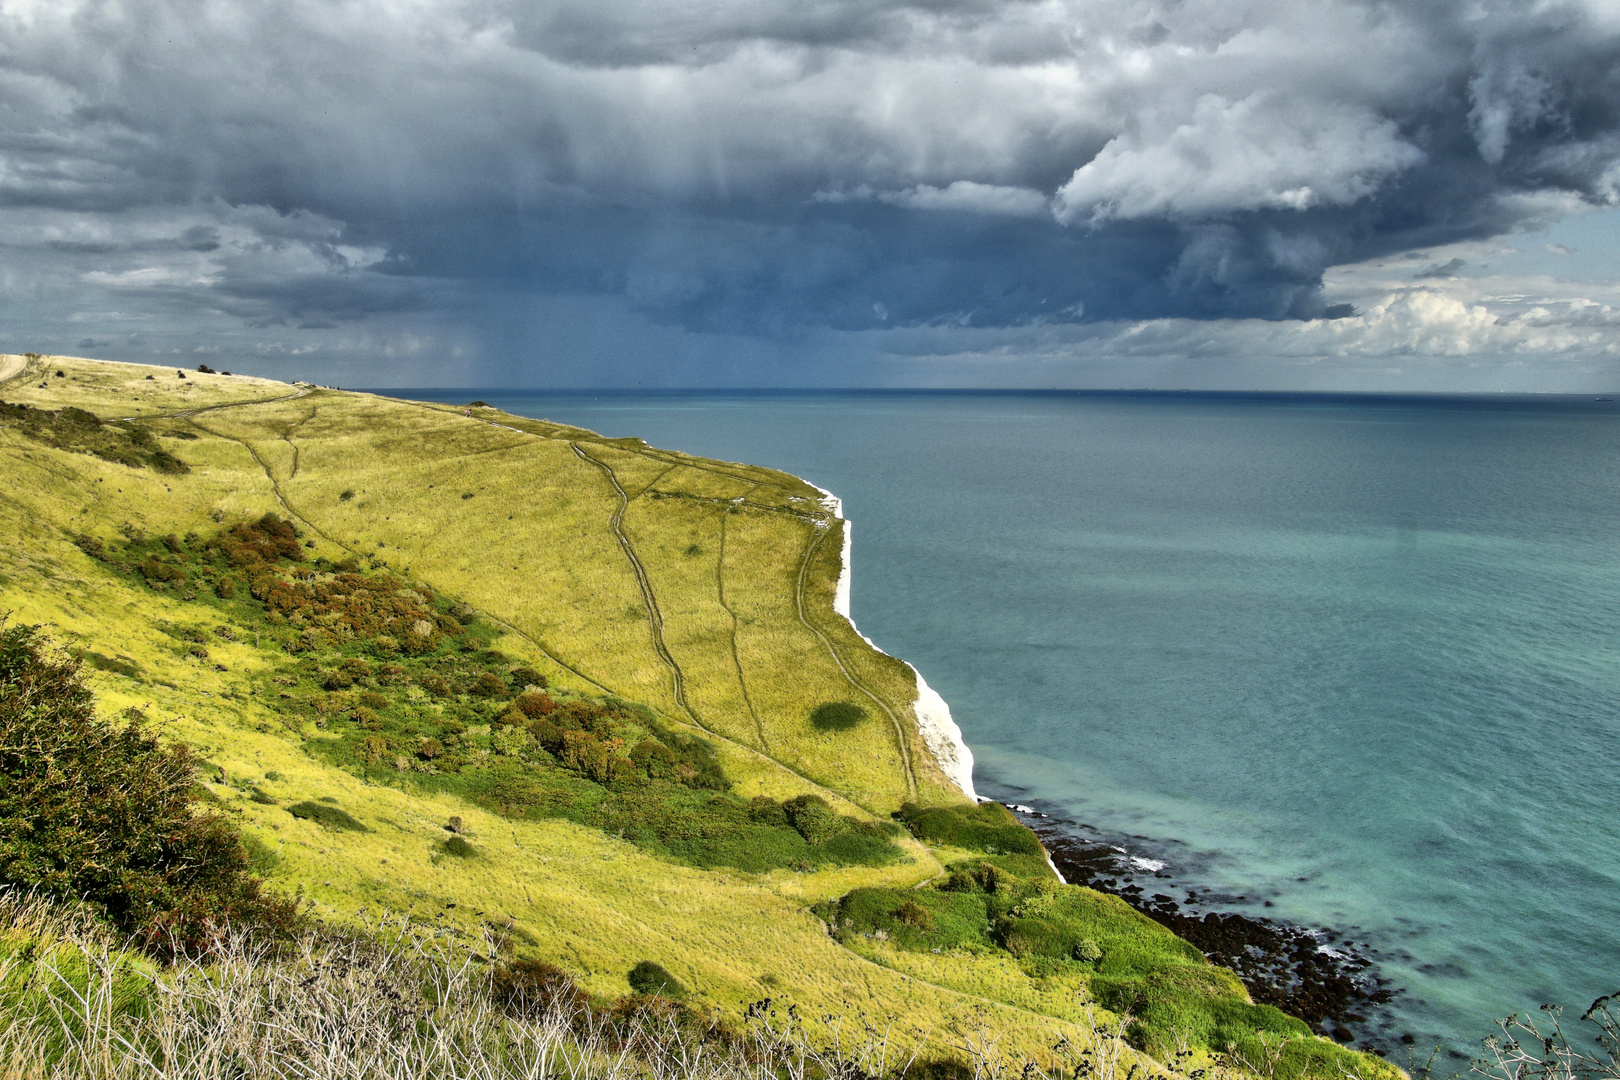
(495, 672)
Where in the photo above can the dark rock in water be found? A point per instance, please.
(1287, 966)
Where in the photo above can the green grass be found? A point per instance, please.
(837, 716)
(332, 817)
(1095, 945)
(591, 875)
(988, 827)
(459, 848)
(650, 977)
(382, 678)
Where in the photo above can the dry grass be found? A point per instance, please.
(404, 1005)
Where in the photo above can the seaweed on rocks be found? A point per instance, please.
(1312, 974)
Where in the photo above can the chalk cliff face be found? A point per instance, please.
(940, 732)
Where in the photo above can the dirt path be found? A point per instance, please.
(11, 366)
(899, 729)
(736, 657)
(654, 616)
(187, 414)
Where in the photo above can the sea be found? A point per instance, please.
(1346, 662)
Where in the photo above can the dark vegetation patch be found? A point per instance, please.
(988, 827)
(102, 811)
(650, 977)
(333, 817)
(118, 665)
(1129, 962)
(837, 716)
(84, 432)
(401, 686)
(460, 848)
(1008, 900)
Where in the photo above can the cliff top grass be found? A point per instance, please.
(386, 627)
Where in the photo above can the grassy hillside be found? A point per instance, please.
(458, 610)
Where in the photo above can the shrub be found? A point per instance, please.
(488, 685)
(459, 847)
(332, 817)
(837, 716)
(592, 758)
(654, 758)
(651, 978)
(91, 547)
(103, 811)
(510, 741)
(527, 676)
(915, 916)
(988, 827)
(533, 705)
(347, 495)
(548, 735)
(764, 810)
(813, 818)
(1087, 951)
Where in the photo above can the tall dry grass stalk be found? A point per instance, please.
(76, 1004)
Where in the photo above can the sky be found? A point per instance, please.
(1205, 194)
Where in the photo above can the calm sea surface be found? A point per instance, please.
(1356, 657)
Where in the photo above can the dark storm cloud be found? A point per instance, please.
(771, 167)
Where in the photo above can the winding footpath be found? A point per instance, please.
(899, 729)
(654, 616)
(11, 365)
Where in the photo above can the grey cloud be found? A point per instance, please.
(774, 169)
(1448, 268)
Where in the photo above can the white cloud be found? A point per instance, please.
(1266, 151)
(960, 196)
(969, 197)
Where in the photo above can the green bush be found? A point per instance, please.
(915, 915)
(459, 847)
(764, 810)
(333, 817)
(836, 716)
(488, 684)
(650, 977)
(103, 811)
(653, 758)
(527, 676)
(988, 827)
(813, 818)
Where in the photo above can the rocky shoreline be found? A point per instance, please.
(1316, 975)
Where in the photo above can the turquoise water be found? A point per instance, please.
(1356, 657)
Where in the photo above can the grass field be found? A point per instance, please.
(698, 591)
